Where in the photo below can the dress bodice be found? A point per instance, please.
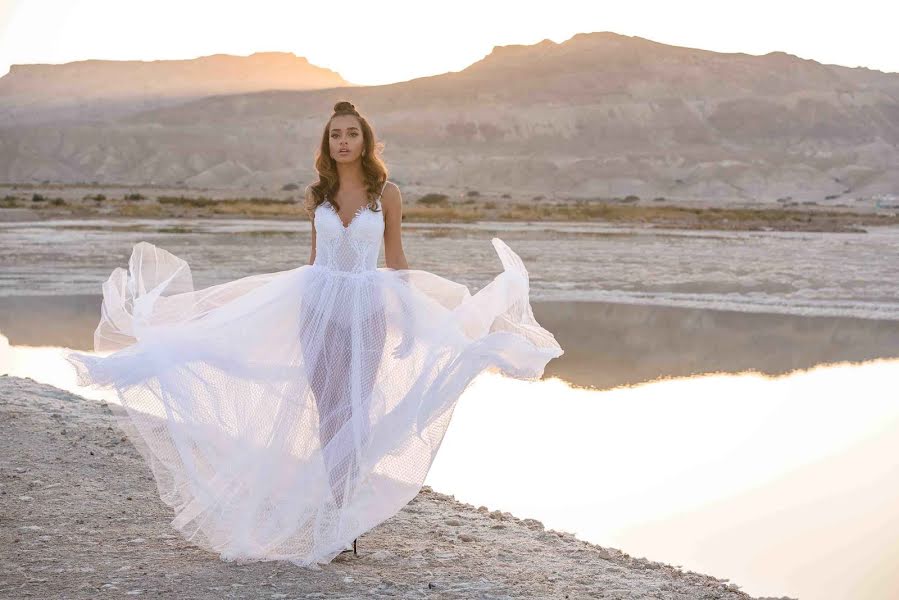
(353, 248)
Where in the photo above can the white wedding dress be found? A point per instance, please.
(284, 414)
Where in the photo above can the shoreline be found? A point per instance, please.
(22, 202)
(87, 519)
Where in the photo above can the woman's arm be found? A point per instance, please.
(392, 205)
(308, 199)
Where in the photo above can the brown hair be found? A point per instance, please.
(373, 168)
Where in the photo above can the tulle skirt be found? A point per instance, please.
(284, 414)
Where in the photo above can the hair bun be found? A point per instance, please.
(344, 106)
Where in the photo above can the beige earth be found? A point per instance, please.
(80, 518)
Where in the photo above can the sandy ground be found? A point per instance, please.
(80, 518)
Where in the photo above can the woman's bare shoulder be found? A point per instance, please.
(391, 196)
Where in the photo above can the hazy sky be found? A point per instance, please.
(383, 41)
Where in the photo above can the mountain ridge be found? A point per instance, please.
(600, 114)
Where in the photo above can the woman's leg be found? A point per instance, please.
(344, 423)
(326, 354)
(374, 333)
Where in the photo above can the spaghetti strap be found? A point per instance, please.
(383, 187)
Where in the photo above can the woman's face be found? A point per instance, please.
(345, 137)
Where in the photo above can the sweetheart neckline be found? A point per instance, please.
(358, 212)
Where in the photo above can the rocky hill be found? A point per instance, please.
(599, 115)
(91, 90)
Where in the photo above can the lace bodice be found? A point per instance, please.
(353, 248)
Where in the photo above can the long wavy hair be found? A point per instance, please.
(373, 167)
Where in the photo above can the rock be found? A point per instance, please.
(467, 538)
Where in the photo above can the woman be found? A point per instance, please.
(284, 414)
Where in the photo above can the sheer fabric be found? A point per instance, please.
(284, 414)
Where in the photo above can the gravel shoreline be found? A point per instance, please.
(62, 203)
(81, 517)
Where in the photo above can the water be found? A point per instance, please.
(785, 485)
(763, 480)
(835, 274)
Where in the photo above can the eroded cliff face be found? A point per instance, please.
(599, 115)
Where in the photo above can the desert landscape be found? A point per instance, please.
(684, 214)
(598, 116)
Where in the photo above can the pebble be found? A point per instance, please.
(380, 555)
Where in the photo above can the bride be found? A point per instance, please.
(284, 414)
